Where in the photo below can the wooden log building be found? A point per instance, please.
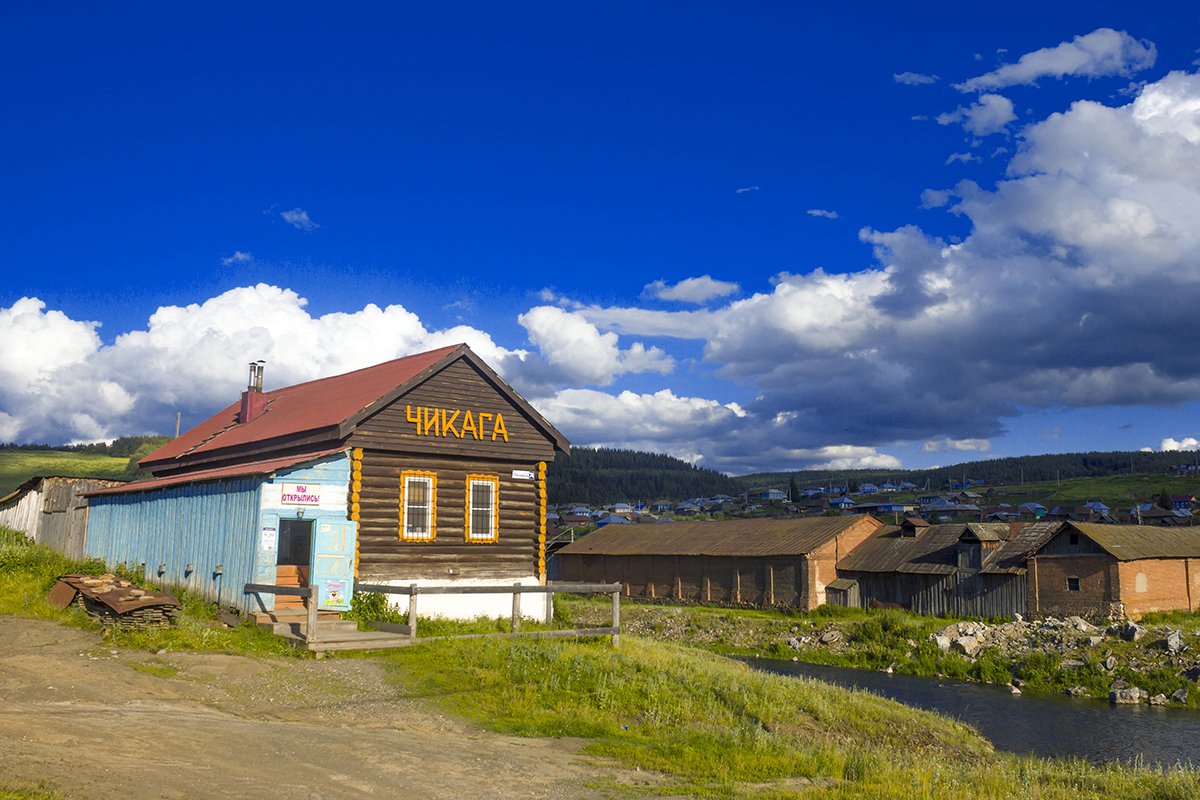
(426, 470)
(759, 562)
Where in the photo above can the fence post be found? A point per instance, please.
(516, 617)
(310, 602)
(412, 611)
(616, 618)
(550, 607)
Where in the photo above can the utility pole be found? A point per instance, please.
(178, 414)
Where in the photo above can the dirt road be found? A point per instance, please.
(87, 721)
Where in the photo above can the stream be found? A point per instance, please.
(1039, 725)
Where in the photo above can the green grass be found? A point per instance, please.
(28, 573)
(711, 726)
(17, 466)
(1117, 491)
(157, 670)
(880, 638)
(718, 729)
(14, 793)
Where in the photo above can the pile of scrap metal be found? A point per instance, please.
(113, 602)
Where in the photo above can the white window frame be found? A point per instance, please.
(429, 479)
(469, 507)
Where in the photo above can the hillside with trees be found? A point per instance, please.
(605, 475)
(994, 472)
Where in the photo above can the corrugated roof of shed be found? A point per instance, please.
(1011, 556)
(247, 469)
(934, 551)
(751, 537)
(1135, 542)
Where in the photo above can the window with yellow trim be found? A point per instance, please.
(418, 506)
(482, 508)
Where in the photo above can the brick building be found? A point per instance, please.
(1115, 571)
(764, 562)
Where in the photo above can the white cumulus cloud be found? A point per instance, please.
(1101, 53)
(914, 78)
(298, 218)
(578, 353)
(820, 212)
(1186, 443)
(991, 114)
(191, 359)
(691, 290)
(237, 257)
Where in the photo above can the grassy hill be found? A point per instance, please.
(17, 466)
(115, 460)
(1117, 491)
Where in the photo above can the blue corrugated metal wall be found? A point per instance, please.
(204, 525)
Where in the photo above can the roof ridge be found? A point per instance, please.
(380, 365)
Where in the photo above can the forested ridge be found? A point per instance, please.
(998, 471)
(605, 475)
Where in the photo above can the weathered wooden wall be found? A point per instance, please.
(54, 512)
(22, 513)
(964, 593)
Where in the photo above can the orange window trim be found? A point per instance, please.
(468, 534)
(432, 478)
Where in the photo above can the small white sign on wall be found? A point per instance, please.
(300, 494)
(522, 475)
(269, 538)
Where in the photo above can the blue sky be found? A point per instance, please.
(757, 236)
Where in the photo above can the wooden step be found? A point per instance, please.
(332, 626)
(298, 614)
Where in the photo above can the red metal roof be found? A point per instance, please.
(311, 406)
(247, 469)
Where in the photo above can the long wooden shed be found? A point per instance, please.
(426, 470)
(763, 562)
(962, 569)
(52, 510)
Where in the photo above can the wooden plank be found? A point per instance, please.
(616, 618)
(269, 588)
(562, 634)
(498, 588)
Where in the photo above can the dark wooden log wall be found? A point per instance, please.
(383, 556)
(461, 387)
